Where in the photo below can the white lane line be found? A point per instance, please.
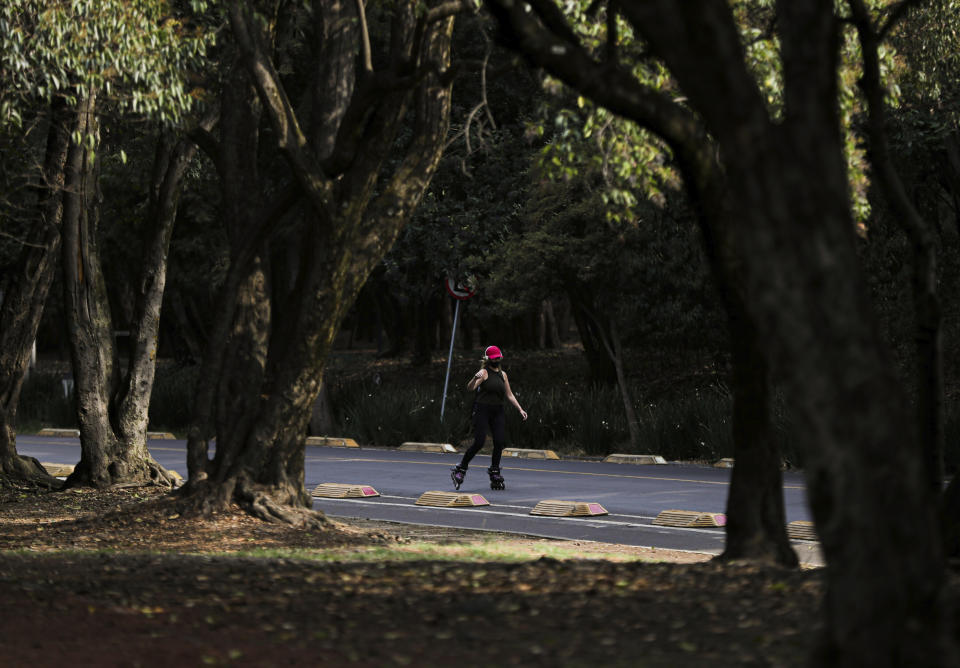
(536, 470)
(527, 508)
(592, 521)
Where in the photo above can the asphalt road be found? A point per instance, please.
(633, 495)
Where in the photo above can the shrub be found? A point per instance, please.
(43, 403)
(171, 402)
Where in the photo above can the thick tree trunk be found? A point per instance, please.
(113, 412)
(756, 519)
(873, 506)
(793, 238)
(351, 222)
(25, 291)
(102, 458)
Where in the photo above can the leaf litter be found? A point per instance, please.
(119, 578)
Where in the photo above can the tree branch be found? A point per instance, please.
(291, 139)
(365, 38)
(610, 85)
(924, 279)
(897, 13)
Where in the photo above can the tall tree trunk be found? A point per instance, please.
(351, 222)
(235, 157)
(113, 410)
(88, 321)
(793, 237)
(756, 518)
(25, 291)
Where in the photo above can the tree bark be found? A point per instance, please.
(25, 291)
(756, 518)
(793, 238)
(354, 213)
(113, 409)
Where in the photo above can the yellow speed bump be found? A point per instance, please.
(411, 446)
(160, 436)
(690, 518)
(57, 470)
(530, 454)
(801, 530)
(329, 442)
(336, 490)
(451, 500)
(634, 459)
(69, 433)
(554, 508)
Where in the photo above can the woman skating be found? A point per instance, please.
(492, 387)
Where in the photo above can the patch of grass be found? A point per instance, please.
(486, 550)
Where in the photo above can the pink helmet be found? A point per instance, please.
(492, 353)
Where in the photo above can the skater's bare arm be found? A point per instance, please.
(512, 399)
(478, 378)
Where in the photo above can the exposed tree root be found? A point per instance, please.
(761, 551)
(267, 509)
(267, 504)
(28, 470)
(146, 473)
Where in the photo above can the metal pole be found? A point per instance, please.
(453, 335)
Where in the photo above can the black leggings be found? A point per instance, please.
(484, 416)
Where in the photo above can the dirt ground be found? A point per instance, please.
(118, 578)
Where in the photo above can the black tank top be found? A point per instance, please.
(493, 390)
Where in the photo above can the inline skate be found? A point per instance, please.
(457, 474)
(496, 480)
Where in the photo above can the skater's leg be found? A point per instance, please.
(480, 420)
(498, 429)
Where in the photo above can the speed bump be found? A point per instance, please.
(800, 530)
(451, 500)
(554, 508)
(57, 470)
(68, 433)
(336, 490)
(332, 442)
(634, 459)
(411, 446)
(690, 518)
(530, 454)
